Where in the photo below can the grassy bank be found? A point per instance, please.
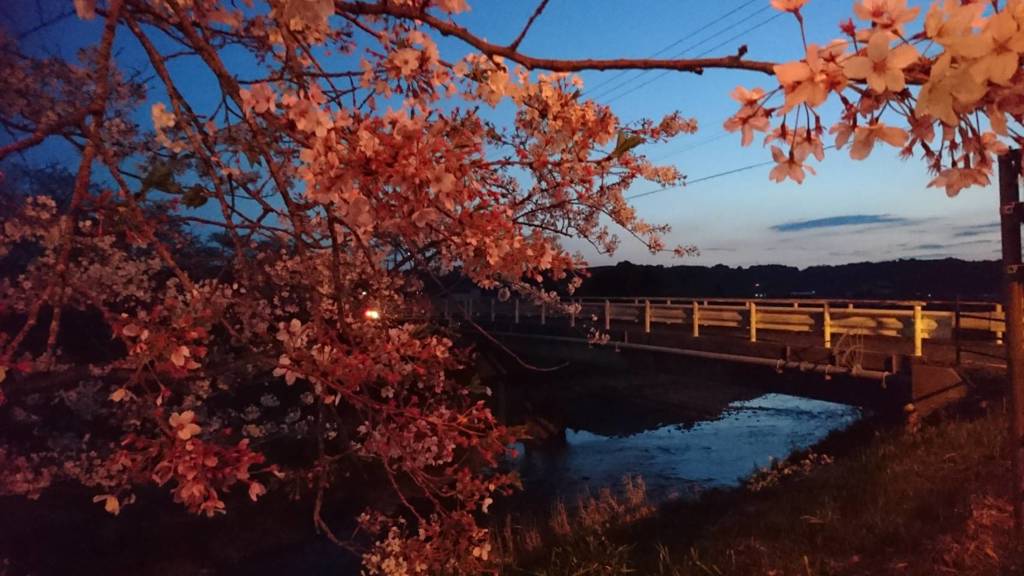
(927, 501)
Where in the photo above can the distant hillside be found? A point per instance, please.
(899, 279)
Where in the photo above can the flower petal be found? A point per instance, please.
(792, 72)
(877, 82)
(858, 67)
(902, 56)
(894, 80)
(892, 135)
(878, 46)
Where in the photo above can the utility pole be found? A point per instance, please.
(1010, 215)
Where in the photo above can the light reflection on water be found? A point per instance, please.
(676, 461)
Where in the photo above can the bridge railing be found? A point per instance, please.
(829, 318)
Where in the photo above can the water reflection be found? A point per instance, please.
(677, 461)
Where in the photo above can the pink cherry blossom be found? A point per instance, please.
(880, 65)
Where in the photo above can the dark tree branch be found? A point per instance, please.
(449, 28)
(45, 23)
(540, 8)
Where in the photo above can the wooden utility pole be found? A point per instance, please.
(1011, 212)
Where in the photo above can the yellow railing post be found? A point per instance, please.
(696, 319)
(543, 313)
(826, 324)
(918, 330)
(999, 313)
(572, 314)
(647, 316)
(753, 322)
(607, 315)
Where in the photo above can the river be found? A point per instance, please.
(681, 459)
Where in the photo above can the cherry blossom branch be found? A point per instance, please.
(483, 332)
(449, 28)
(68, 221)
(193, 130)
(44, 130)
(230, 86)
(519, 360)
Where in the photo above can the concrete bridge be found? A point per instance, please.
(884, 354)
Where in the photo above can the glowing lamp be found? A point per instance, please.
(372, 314)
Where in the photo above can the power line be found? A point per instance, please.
(692, 146)
(699, 180)
(706, 52)
(706, 141)
(709, 177)
(690, 48)
(674, 44)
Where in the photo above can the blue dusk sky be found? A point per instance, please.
(878, 209)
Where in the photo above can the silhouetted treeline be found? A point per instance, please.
(899, 279)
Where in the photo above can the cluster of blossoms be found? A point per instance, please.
(965, 59)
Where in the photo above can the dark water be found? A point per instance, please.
(678, 461)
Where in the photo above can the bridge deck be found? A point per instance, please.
(919, 342)
(849, 329)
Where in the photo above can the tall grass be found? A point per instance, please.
(578, 540)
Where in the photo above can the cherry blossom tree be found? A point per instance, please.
(342, 168)
(967, 109)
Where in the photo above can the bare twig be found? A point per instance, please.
(45, 23)
(540, 8)
(490, 338)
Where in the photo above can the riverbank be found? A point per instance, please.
(929, 500)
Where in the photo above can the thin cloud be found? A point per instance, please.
(950, 245)
(976, 230)
(931, 247)
(837, 221)
(935, 256)
(851, 253)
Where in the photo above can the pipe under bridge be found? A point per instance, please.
(884, 354)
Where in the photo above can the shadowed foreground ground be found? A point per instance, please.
(929, 501)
